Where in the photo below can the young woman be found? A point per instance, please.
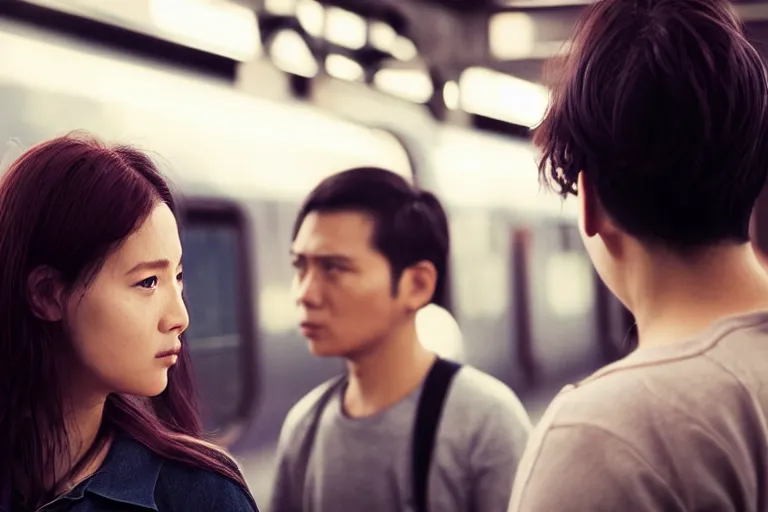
(96, 402)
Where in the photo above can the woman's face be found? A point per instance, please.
(132, 312)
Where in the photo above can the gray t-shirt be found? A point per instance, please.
(364, 464)
(670, 428)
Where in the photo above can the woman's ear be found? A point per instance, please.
(45, 290)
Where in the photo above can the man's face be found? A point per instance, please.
(342, 285)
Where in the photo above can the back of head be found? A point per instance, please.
(409, 225)
(662, 105)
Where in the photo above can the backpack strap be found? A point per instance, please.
(425, 426)
(309, 440)
(426, 422)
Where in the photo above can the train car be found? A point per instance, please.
(523, 293)
(532, 309)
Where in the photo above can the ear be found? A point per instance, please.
(45, 290)
(589, 205)
(417, 285)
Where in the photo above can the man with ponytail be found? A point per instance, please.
(402, 429)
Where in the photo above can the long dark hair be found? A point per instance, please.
(66, 204)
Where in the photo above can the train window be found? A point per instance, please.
(569, 282)
(220, 334)
(563, 302)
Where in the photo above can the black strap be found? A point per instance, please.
(309, 440)
(428, 414)
(427, 420)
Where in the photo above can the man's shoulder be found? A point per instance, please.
(300, 415)
(485, 420)
(638, 392)
(476, 395)
(645, 414)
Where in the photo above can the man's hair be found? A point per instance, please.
(662, 104)
(410, 225)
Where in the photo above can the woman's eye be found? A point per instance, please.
(180, 277)
(149, 283)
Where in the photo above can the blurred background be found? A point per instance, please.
(247, 104)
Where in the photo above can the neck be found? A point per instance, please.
(381, 377)
(674, 299)
(83, 416)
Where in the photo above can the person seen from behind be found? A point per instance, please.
(658, 124)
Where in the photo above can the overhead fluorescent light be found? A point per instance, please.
(403, 49)
(451, 95)
(410, 84)
(131, 14)
(225, 26)
(291, 54)
(345, 28)
(280, 7)
(500, 96)
(511, 35)
(382, 36)
(215, 26)
(311, 17)
(343, 68)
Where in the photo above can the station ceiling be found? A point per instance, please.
(454, 34)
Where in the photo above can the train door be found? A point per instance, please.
(221, 334)
(616, 326)
(554, 307)
(480, 269)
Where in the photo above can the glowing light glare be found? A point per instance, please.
(382, 36)
(126, 11)
(570, 284)
(277, 309)
(451, 95)
(439, 332)
(345, 28)
(280, 7)
(475, 169)
(290, 53)
(504, 97)
(511, 35)
(141, 95)
(410, 84)
(404, 49)
(228, 27)
(343, 68)
(311, 17)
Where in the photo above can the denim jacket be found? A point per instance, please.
(134, 479)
